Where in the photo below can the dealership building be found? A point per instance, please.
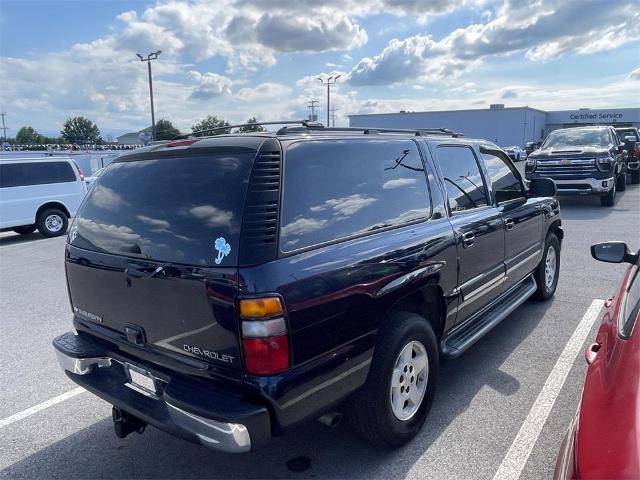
(502, 125)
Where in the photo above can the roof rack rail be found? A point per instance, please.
(370, 130)
(304, 123)
(306, 126)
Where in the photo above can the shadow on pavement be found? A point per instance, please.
(95, 452)
(9, 238)
(587, 207)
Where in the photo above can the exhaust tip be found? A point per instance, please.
(331, 419)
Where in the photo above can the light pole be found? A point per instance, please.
(151, 56)
(330, 81)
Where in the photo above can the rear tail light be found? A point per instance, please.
(80, 174)
(265, 338)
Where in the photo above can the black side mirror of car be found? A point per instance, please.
(613, 252)
(542, 187)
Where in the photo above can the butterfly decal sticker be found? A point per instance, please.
(223, 249)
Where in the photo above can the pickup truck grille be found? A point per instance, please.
(583, 168)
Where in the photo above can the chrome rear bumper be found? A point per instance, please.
(222, 436)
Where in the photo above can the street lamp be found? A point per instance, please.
(151, 56)
(330, 81)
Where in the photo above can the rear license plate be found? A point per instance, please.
(141, 380)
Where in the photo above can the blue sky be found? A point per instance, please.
(240, 58)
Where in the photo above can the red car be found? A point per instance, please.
(603, 440)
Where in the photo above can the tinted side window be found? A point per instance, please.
(462, 178)
(35, 173)
(10, 175)
(338, 188)
(506, 185)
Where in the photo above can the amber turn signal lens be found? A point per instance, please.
(260, 307)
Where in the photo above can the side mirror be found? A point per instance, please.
(613, 252)
(542, 187)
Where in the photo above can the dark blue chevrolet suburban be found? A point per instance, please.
(227, 288)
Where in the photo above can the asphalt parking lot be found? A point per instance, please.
(50, 429)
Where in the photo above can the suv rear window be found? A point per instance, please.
(335, 189)
(22, 174)
(170, 209)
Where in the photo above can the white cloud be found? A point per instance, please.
(264, 90)
(106, 198)
(544, 32)
(398, 182)
(346, 206)
(154, 222)
(210, 85)
(242, 40)
(302, 225)
(214, 216)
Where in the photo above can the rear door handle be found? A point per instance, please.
(468, 239)
(509, 223)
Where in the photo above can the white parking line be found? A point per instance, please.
(41, 406)
(518, 454)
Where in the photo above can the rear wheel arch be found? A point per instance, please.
(428, 303)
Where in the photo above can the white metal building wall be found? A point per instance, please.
(505, 127)
(508, 126)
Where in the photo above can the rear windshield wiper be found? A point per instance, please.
(138, 273)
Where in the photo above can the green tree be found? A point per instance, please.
(165, 130)
(251, 126)
(53, 140)
(80, 130)
(211, 122)
(28, 136)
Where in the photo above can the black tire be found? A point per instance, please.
(25, 230)
(369, 411)
(609, 199)
(52, 222)
(621, 182)
(635, 177)
(545, 291)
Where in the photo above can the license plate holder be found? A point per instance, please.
(141, 381)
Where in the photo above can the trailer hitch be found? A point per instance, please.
(124, 423)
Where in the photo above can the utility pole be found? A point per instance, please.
(151, 56)
(333, 116)
(312, 105)
(330, 81)
(4, 127)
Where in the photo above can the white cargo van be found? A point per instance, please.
(39, 193)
